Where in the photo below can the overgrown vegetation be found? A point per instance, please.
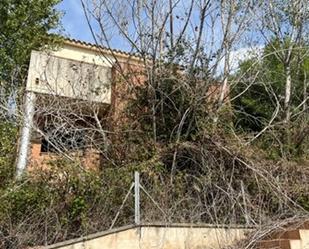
(261, 99)
(206, 153)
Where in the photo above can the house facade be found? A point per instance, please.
(70, 91)
(76, 97)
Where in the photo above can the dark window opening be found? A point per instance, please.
(68, 133)
(63, 140)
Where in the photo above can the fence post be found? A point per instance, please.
(137, 217)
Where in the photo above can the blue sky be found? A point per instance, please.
(74, 21)
(75, 26)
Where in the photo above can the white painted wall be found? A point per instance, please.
(71, 72)
(84, 54)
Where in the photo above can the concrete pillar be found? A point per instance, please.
(25, 133)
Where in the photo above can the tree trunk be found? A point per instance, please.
(287, 99)
(224, 86)
(305, 91)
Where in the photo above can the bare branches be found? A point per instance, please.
(101, 114)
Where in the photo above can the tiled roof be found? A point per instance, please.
(99, 47)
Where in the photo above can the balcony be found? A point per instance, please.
(62, 73)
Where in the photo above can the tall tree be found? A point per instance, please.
(287, 22)
(266, 78)
(24, 25)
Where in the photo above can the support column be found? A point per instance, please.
(25, 133)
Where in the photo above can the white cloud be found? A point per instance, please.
(240, 55)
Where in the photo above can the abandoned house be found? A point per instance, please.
(73, 95)
(67, 89)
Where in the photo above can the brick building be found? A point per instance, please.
(73, 96)
(79, 80)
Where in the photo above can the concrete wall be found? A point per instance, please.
(79, 53)
(158, 237)
(70, 73)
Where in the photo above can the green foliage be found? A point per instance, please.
(173, 107)
(263, 84)
(261, 92)
(24, 26)
(8, 135)
(67, 199)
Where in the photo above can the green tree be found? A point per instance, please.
(263, 84)
(7, 151)
(261, 94)
(24, 26)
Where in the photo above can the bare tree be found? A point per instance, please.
(286, 22)
(172, 84)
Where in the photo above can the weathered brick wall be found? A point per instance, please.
(89, 159)
(126, 77)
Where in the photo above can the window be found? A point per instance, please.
(63, 139)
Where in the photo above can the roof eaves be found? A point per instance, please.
(101, 48)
